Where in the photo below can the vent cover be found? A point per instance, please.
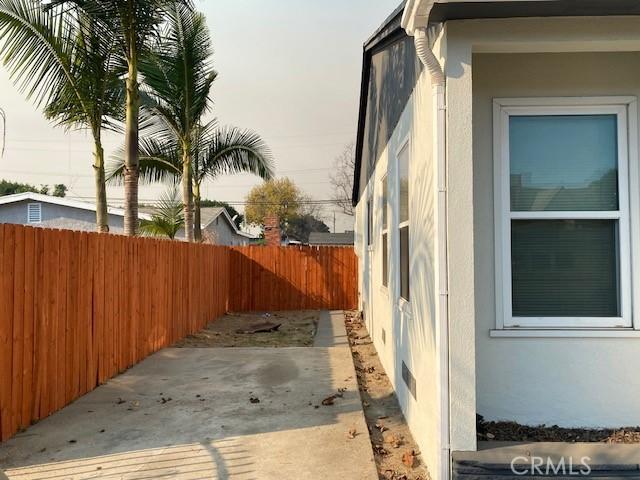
(34, 213)
(384, 336)
(409, 380)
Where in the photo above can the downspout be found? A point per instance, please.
(428, 58)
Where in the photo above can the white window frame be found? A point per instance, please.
(37, 207)
(404, 304)
(384, 200)
(626, 111)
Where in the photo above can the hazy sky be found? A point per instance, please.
(288, 69)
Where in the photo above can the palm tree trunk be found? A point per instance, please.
(197, 221)
(102, 217)
(131, 164)
(187, 193)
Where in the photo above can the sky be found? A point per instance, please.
(288, 69)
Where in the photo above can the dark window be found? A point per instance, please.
(403, 173)
(385, 260)
(404, 262)
(385, 234)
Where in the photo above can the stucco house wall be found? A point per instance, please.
(401, 331)
(581, 382)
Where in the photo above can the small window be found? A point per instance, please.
(403, 226)
(385, 234)
(369, 223)
(562, 216)
(34, 213)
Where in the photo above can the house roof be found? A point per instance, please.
(321, 238)
(62, 201)
(422, 12)
(209, 214)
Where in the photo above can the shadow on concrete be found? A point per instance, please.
(188, 414)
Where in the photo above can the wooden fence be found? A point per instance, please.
(78, 308)
(292, 278)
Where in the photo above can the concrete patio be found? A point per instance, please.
(188, 414)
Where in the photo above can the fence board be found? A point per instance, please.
(78, 308)
(291, 278)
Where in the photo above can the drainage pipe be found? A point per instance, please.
(427, 57)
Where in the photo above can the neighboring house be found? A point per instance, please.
(218, 228)
(55, 212)
(331, 239)
(498, 214)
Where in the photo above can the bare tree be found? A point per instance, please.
(342, 179)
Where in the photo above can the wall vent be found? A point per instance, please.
(409, 380)
(384, 336)
(34, 213)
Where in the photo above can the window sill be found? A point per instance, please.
(404, 307)
(534, 333)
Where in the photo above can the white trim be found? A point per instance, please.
(384, 198)
(627, 152)
(403, 146)
(560, 333)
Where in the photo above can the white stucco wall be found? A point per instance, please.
(588, 382)
(410, 329)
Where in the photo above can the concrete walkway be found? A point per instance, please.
(188, 414)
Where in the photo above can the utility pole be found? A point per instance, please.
(334, 222)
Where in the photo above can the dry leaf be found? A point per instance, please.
(329, 400)
(409, 458)
(380, 426)
(352, 433)
(394, 440)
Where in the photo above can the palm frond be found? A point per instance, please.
(159, 162)
(230, 150)
(37, 48)
(167, 218)
(178, 72)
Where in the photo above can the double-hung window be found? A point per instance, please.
(385, 233)
(562, 214)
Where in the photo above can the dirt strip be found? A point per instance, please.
(396, 454)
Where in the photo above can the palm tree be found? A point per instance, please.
(215, 152)
(134, 24)
(167, 218)
(66, 63)
(178, 76)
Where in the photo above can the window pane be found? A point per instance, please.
(565, 268)
(404, 263)
(369, 223)
(385, 261)
(403, 172)
(564, 162)
(384, 203)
